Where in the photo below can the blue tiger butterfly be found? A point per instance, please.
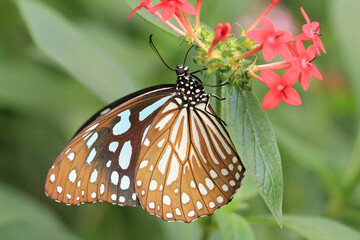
(162, 147)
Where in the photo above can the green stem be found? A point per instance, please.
(219, 92)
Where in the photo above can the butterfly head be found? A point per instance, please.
(181, 70)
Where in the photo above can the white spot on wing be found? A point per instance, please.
(93, 176)
(153, 185)
(174, 170)
(114, 177)
(143, 164)
(91, 140)
(123, 125)
(108, 164)
(92, 127)
(209, 183)
(191, 213)
(91, 156)
(102, 189)
(125, 182)
(164, 121)
(71, 156)
(164, 160)
(72, 176)
(202, 189)
(169, 107)
(52, 178)
(150, 109)
(180, 142)
(185, 198)
(166, 200)
(125, 155)
(147, 142)
(113, 146)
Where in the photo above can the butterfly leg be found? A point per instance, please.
(198, 71)
(203, 84)
(207, 106)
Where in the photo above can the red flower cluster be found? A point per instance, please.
(297, 59)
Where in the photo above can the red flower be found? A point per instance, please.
(144, 3)
(280, 89)
(222, 32)
(169, 7)
(311, 31)
(303, 64)
(272, 40)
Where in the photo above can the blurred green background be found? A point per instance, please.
(50, 84)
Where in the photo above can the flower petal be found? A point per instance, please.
(305, 80)
(156, 8)
(300, 47)
(268, 52)
(315, 72)
(289, 77)
(283, 51)
(186, 7)
(318, 42)
(285, 36)
(307, 19)
(311, 51)
(271, 99)
(271, 79)
(291, 96)
(167, 13)
(267, 25)
(134, 11)
(256, 35)
(307, 29)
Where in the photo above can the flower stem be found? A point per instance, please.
(180, 23)
(273, 66)
(254, 75)
(197, 16)
(190, 31)
(187, 20)
(272, 4)
(249, 53)
(170, 25)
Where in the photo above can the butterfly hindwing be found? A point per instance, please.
(99, 163)
(187, 166)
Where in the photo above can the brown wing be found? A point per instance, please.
(187, 166)
(99, 163)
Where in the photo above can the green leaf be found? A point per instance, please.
(58, 39)
(151, 18)
(233, 226)
(254, 139)
(314, 227)
(22, 218)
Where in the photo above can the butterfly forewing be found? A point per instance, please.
(187, 166)
(99, 163)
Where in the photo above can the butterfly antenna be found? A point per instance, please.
(152, 45)
(187, 53)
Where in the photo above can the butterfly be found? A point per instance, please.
(163, 148)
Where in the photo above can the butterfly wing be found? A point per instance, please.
(187, 166)
(99, 163)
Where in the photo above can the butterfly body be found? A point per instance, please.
(162, 147)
